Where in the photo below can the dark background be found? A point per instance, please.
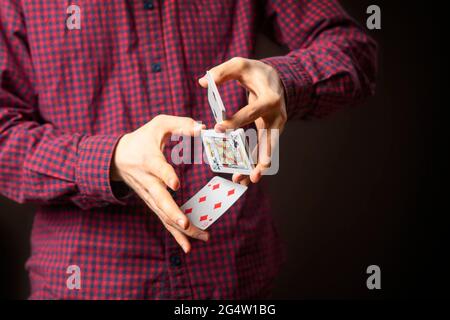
(351, 187)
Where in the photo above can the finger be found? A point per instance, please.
(241, 179)
(141, 192)
(268, 140)
(237, 177)
(180, 238)
(245, 181)
(194, 232)
(175, 229)
(159, 197)
(256, 174)
(172, 214)
(232, 69)
(159, 167)
(244, 116)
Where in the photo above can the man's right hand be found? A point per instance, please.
(139, 162)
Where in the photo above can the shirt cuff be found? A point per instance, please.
(298, 84)
(93, 171)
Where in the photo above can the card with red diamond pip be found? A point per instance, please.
(212, 201)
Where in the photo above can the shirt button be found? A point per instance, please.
(148, 4)
(175, 260)
(156, 67)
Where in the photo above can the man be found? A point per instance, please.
(88, 97)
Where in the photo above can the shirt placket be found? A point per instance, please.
(174, 256)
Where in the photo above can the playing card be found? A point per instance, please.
(214, 99)
(227, 152)
(212, 201)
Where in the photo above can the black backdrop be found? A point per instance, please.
(350, 187)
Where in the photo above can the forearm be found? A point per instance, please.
(40, 164)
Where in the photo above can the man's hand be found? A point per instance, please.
(140, 163)
(266, 105)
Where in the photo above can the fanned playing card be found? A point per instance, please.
(212, 201)
(226, 152)
(214, 99)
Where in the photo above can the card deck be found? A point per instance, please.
(212, 201)
(226, 152)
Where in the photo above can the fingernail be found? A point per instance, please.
(181, 223)
(203, 236)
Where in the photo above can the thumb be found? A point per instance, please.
(244, 116)
(229, 70)
(180, 125)
(203, 82)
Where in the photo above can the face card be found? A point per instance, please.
(214, 99)
(227, 152)
(212, 201)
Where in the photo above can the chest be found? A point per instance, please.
(102, 64)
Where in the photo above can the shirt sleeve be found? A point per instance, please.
(38, 162)
(331, 61)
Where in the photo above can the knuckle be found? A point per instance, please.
(154, 193)
(187, 125)
(159, 121)
(166, 221)
(235, 59)
(164, 168)
(241, 63)
(165, 206)
(159, 117)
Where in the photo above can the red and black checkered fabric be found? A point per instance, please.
(66, 97)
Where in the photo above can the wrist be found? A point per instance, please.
(116, 163)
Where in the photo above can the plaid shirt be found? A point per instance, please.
(67, 95)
